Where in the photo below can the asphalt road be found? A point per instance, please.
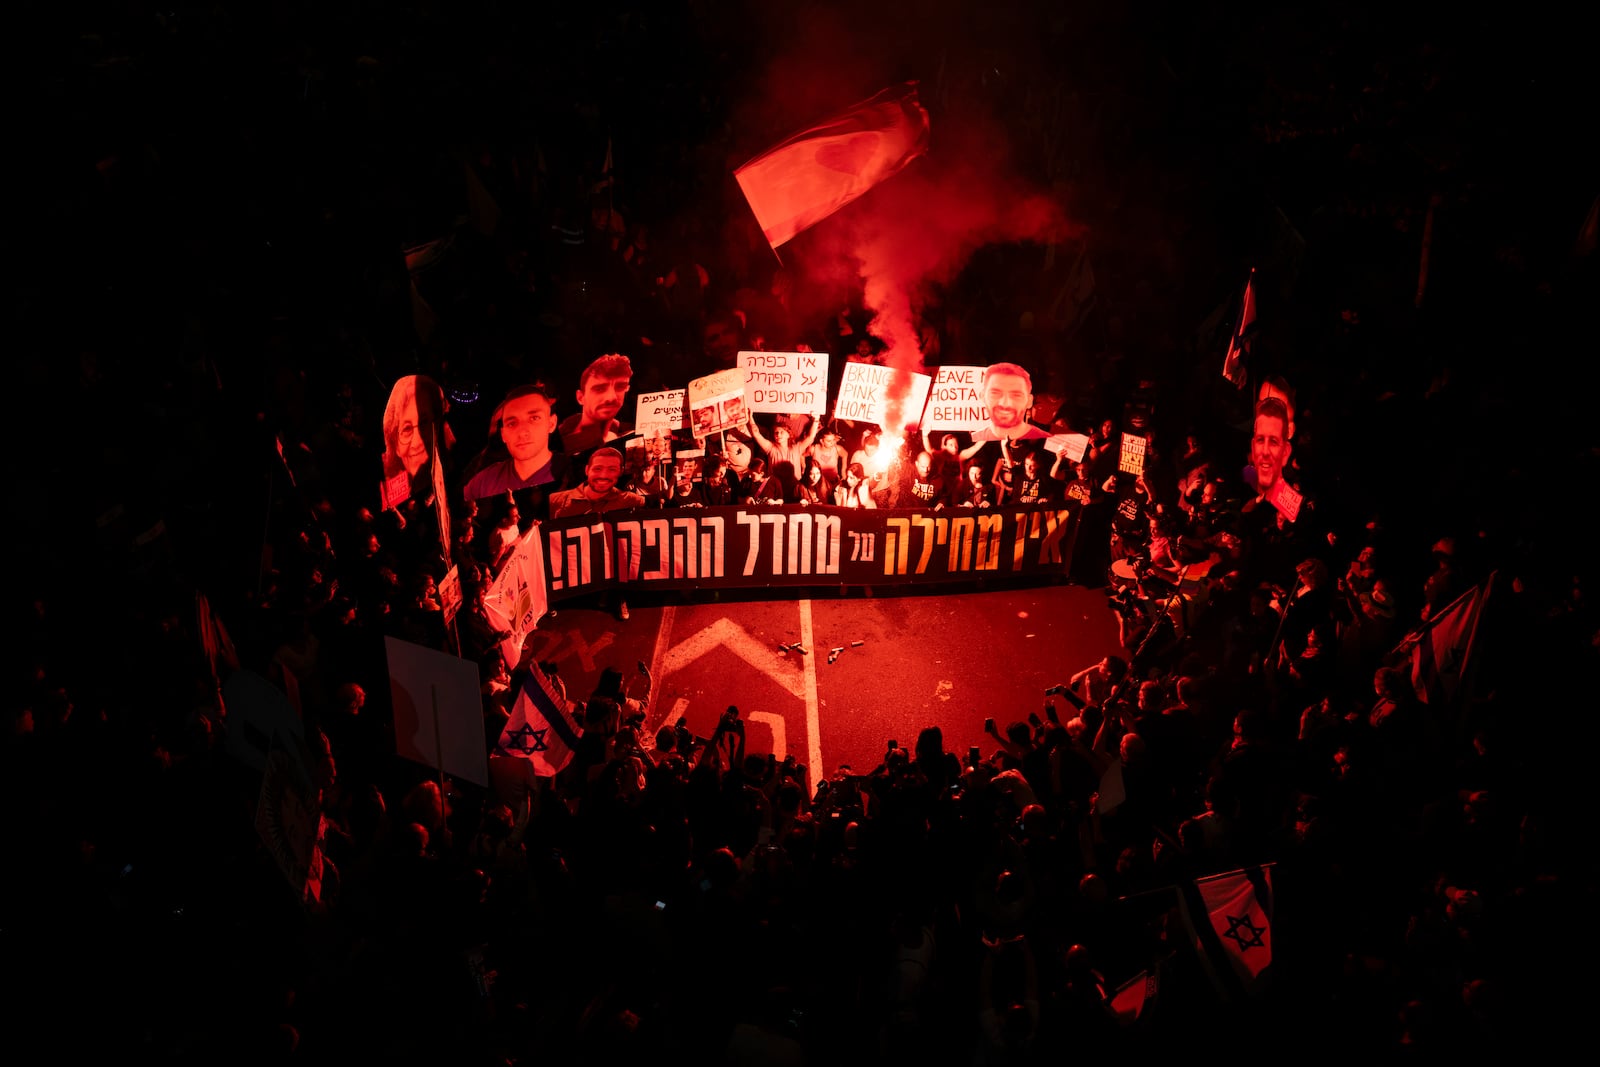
(942, 658)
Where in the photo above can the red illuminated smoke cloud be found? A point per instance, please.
(921, 227)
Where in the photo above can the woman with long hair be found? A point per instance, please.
(854, 492)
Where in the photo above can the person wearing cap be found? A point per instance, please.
(519, 430)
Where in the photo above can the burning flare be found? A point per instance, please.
(884, 454)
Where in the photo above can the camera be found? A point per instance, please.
(894, 744)
(974, 757)
(1056, 690)
(988, 724)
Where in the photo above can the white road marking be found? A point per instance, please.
(813, 718)
(729, 634)
(657, 654)
(724, 633)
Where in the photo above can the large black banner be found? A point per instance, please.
(744, 547)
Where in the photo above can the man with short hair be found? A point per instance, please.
(927, 488)
(1008, 394)
(522, 425)
(1275, 386)
(1269, 444)
(602, 389)
(597, 495)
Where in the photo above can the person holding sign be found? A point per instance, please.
(780, 449)
(1008, 394)
(829, 455)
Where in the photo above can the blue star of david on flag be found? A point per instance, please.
(1244, 933)
(525, 740)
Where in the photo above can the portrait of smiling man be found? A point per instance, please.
(1008, 394)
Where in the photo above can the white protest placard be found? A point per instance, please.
(660, 411)
(396, 490)
(785, 382)
(716, 402)
(518, 598)
(1131, 459)
(1073, 444)
(868, 393)
(450, 594)
(1286, 498)
(438, 710)
(955, 401)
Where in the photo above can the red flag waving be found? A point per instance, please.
(1233, 365)
(819, 170)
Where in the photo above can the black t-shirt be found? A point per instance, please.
(1038, 489)
(930, 490)
(1132, 513)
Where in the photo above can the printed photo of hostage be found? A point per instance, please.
(1008, 394)
(1269, 444)
(1273, 388)
(518, 455)
(602, 390)
(706, 420)
(413, 430)
(596, 495)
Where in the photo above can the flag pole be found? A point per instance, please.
(1427, 246)
(438, 743)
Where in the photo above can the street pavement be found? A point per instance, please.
(945, 657)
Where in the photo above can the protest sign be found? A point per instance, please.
(785, 382)
(868, 393)
(716, 402)
(955, 400)
(1073, 444)
(660, 411)
(1286, 499)
(1131, 459)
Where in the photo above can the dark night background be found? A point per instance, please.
(210, 188)
(212, 205)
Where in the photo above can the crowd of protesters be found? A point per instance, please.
(670, 893)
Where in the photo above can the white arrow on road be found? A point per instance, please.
(800, 679)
